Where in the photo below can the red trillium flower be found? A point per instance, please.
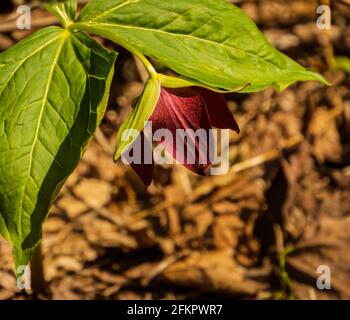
(191, 109)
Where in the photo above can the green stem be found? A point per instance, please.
(150, 69)
(115, 38)
(286, 281)
(38, 283)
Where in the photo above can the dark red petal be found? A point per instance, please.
(143, 170)
(184, 109)
(219, 113)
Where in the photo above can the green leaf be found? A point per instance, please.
(211, 41)
(141, 111)
(182, 82)
(54, 88)
(341, 63)
(65, 12)
(71, 7)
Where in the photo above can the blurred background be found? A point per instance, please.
(259, 232)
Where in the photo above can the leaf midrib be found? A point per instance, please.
(36, 136)
(105, 12)
(176, 35)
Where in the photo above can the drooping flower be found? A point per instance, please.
(190, 109)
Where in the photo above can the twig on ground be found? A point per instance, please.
(236, 168)
(37, 23)
(163, 265)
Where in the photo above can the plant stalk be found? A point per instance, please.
(38, 283)
(86, 27)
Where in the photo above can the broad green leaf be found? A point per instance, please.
(182, 82)
(71, 7)
(65, 11)
(53, 93)
(141, 112)
(211, 41)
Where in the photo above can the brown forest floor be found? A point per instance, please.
(259, 232)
